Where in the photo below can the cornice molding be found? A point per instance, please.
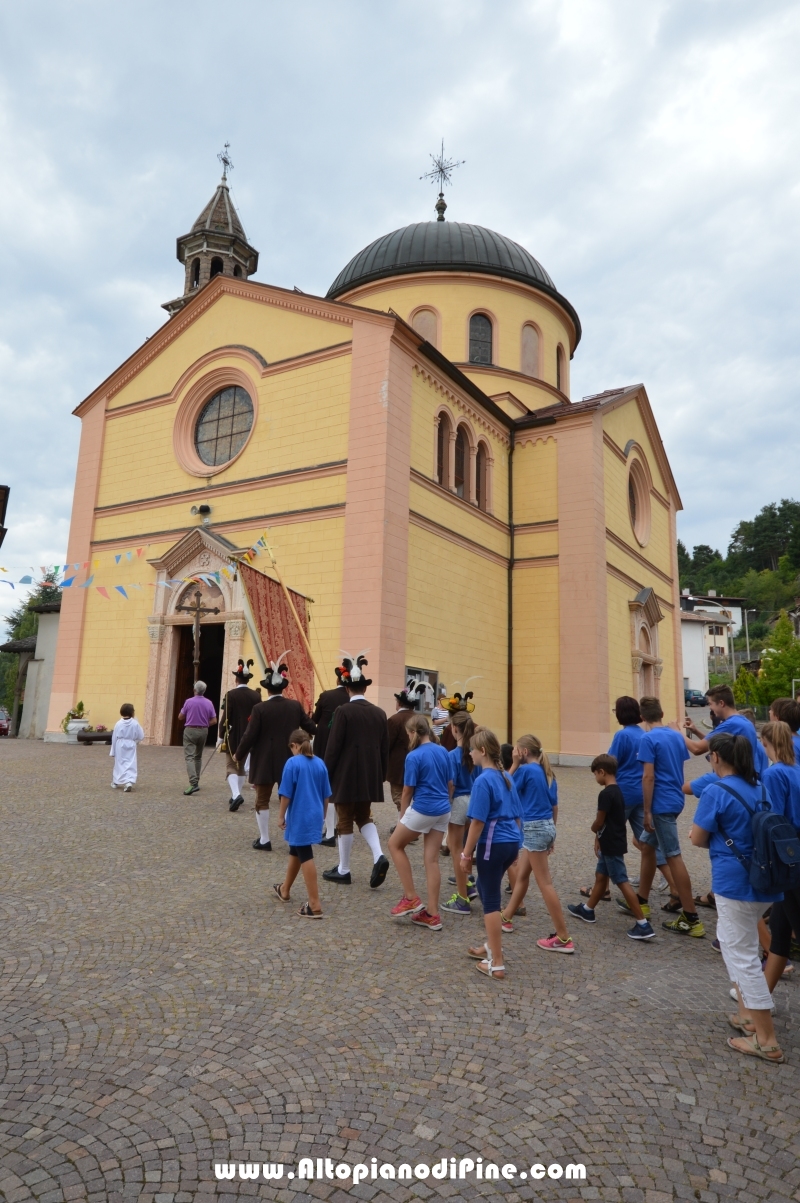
(313, 513)
(465, 506)
(622, 457)
(635, 555)
(469, 408)
(534, 528)
(494, 369)
(435, 528)
(618, 574)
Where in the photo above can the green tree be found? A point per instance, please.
(780, 662)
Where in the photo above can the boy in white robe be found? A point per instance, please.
(126, 735)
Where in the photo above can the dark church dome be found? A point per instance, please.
(447, 246)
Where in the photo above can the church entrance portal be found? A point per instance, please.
(212, 645)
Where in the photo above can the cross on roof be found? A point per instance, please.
(442, 168)
(225, 159)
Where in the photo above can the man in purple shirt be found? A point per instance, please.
(198, 714)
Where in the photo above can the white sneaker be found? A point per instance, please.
(113, 786)
(127, 789)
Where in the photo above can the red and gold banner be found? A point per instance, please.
(277, 628)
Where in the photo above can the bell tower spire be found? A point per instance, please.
(216, 245)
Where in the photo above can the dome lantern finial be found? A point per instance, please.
(441, 171)
(225, 159)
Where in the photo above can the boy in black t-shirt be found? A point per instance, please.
(610, 845)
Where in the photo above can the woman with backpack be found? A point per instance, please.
(724, 813)
(782, 780)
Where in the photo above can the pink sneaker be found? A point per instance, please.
(554, 943)
(423, 919)
(506, 925)
(408, 906)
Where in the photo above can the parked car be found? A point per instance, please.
(693, 697)
(5, 721)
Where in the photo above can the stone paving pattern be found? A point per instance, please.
(160, 1012)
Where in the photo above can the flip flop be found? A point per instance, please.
(277, 892)
(588, 893)
(307, 913)
(706, 900)
(754, 1049)
(673, 907)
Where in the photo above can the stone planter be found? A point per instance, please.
(73, 727)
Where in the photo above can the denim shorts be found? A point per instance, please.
(613, 867)
(666, 835)
(635, 816)
(539, 835)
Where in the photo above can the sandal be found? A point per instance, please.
(754, 1049)
(277, 892)
(706, 900)
(742, 1025)
(588, 893)
(479, 953)
(495, 972)
(673, 907)
(307, 913)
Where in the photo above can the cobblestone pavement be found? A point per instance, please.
(160, 1012)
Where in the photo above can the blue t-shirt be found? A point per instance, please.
(462, 775)
(625, 746)
(493, 802)
(666, 750)
(783, 786)
(536, 797)
(737, 724)
(305, 783)
(428, 770)
(716, 807)
(796, 742)
(701, 783)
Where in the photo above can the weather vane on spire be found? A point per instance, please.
(225, 159)
(442, 170)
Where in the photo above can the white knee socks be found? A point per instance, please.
(345, 847)
(330, 821)
(242, 782)
(262, 818)
(233, 786)
(370, 834)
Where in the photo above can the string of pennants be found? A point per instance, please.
(68, 581)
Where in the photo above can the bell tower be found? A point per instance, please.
(216, 244)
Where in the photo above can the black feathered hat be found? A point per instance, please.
(351, 671)
(412, 694)
(277, 679)
(243, 674)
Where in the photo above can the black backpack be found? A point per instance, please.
(775, 864)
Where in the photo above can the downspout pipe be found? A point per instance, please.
(510, 614)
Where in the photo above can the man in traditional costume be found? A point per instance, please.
(408, 700)
(357, 758)
(235, 711)
(266, 741)
(328, 703)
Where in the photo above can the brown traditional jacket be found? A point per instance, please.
(328, 703)
(398, 746)
(236, 708)
(267, 738)
(357, 755)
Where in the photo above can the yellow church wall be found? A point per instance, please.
(454, 298)
(620, 669)
(456, 621)
(302, 421)
(625, 422)
(535, 481)
(537, 667)
(274, 332)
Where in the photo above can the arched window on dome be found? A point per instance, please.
(425, 324)
(529, 357)
(482, 477)
(480, 339)
(217, 267)
(561, 369)
(195, 273)
(443, 451)
(462, 464)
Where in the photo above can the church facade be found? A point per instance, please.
(410, 444)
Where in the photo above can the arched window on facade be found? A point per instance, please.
(561, 369)
(646, 674)
(481, 477)
(480, 339)
(443, 451)
(195, 273)
(237, 271)
(424, 322)
(530, 351)
(217, 267)
(461, 477)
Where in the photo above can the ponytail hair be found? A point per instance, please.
(529, 743)
(487, 742)
(418, 727)
(302, 739)
(735, 751)
(779, 735)
(466, 727)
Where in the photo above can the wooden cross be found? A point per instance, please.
(198, 611)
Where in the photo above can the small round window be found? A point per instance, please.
(223, 426)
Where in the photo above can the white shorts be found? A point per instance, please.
(422, 824)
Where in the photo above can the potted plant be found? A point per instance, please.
(75, 720)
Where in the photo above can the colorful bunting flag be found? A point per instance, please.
(87, 583)
(65, 584)
(102, 589)
(117, 559)
(129, 554)
(26, 580)
(121, 589)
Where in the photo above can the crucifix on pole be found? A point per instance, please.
(198, 611)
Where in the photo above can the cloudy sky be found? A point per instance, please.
(647, 154)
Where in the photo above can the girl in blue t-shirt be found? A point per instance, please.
(494, 835)
(538, 793)
(424, 811)
(304, 792)
(723, 825)
(782, 780)
(464, 774)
